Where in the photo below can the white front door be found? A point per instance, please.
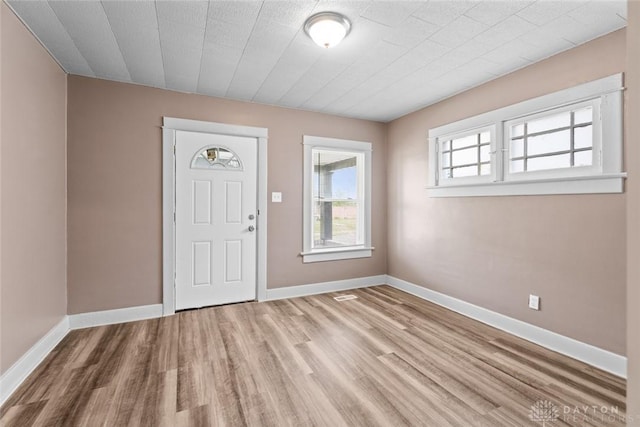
(216, 210)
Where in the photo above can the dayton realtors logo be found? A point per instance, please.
(544, 412)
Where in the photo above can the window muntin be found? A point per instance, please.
(337, 198)
(563, 157)
(214, 157)
(466, 156)
(557, 139)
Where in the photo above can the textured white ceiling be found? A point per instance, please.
(400, 55)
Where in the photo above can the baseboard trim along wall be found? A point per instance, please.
(587, 353)
(19, 371)
(324, 287)
(110, 317)
(603, 359)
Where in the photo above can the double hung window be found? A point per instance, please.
(337, 199)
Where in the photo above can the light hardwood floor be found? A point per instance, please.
(384, 359)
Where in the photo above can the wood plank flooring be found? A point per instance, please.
(384, 359)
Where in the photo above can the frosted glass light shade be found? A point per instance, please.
(327, 29)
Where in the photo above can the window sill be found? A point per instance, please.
(336, 254)
(593, 184)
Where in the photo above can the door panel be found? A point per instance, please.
(215, 248)
(233, 192)
(202, 202)
(233, 261)
(201, 264)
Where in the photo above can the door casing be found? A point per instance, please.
(169, 128)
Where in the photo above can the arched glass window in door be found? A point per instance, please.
(215, 157)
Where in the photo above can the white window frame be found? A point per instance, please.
(594, 169)
(467, 179)
(605, 176)
(309, 254)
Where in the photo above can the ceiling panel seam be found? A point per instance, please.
(416, 72)
(235, 71)
(164, 70)
(204, 41)
(378, 72)
(126, 66)
(276, 65)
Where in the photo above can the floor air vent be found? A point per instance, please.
(344, 298)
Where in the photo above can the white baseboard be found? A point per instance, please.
(603, 359)
(321, 288)
(19, 371)
(110, 317)
(587, 353)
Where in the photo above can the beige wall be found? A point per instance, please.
(494, 251)
(633, 213)
(115, 191)
(33, 278)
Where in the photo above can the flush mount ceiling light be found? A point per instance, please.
(327, 29)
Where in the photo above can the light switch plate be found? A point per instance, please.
(276, 197)
(534, 302)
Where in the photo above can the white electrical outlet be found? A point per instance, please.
(534, 302)
(276, 197)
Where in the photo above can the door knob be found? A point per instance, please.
(251, 228)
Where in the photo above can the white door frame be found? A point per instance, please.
(169, 128)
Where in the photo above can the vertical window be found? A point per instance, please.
(337, 199)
